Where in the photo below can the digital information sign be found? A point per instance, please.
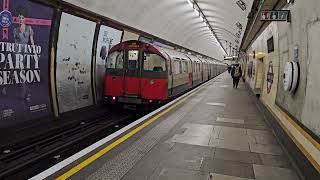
(279, 15)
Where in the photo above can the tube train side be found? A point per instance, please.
(139, 73)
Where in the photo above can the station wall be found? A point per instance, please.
(28, 88)
(301, 34)
(297, 41)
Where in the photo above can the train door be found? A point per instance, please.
(201, 70)
(132, 72)
(114, 73)
(190, 73)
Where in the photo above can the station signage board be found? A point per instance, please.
(278, 15)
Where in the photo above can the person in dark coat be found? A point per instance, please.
(236, 74)
(229, 69)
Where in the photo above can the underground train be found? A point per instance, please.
(139, 73)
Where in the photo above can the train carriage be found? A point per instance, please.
(135, 72)
(141, 73)
(196, 70)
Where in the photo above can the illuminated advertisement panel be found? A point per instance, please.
(24, 60)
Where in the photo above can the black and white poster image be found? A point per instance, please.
(74, 61)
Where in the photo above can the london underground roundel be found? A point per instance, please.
(291, 76)
(5, 19)
(270, 76)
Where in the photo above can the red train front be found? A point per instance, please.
(136, 73)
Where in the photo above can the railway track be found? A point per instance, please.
(26, 161)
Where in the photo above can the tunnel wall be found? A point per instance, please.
(297, 113)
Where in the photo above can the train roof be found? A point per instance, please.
(174, 54)
(165, 52)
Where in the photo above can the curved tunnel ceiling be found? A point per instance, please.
(178, 22)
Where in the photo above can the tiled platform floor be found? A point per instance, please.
(217, 134)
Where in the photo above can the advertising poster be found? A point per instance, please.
(24, 60)
(74, 53)
(108, 37)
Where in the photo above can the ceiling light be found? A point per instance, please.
(238, 35)
(242, 5)
(190, 3)
(201, 18)
(239, 25)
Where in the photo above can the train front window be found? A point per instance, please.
(115, 60)
(133, 56)
(120, 61)
(153, 62)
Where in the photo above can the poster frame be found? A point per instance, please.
(55, 17)
(94, 20)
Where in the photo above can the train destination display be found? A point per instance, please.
(279, 15)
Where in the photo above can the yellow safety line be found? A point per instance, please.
(298, 127)
(94, 157)
(300, 146)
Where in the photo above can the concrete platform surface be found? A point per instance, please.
(218, 134)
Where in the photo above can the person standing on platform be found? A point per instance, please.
(229, 69)
(236, 74)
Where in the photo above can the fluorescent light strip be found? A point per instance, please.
(203, 19)
(190, 3)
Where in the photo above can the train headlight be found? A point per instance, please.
(151, 82)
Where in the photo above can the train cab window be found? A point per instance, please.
(153, 62)
(133, 56)
(115, 59)
(119, 64)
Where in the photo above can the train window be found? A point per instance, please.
(184, 66)
(133, 56)
(176, 66)
(153, 62)
(180, 67)
(112, 59)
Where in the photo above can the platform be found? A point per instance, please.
(215, 133)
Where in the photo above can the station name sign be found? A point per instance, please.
(278, 15)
